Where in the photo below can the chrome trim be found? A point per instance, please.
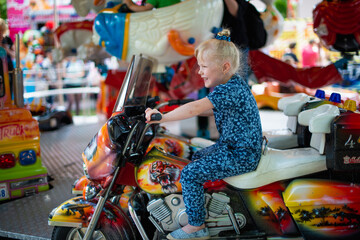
(232, 218)
(158, 227)
(91, 191)
(76, 192)
(137, 222)
(18, 81)
(128, 140)
(95, 218)
(142, 136)
(135, 217)
(160, 105)
(65, 224)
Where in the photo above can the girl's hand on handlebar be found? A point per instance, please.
(149, 112)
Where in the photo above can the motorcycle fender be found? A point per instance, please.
(72, 213)
(77, 212)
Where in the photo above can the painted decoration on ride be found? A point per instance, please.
(273, 22)
(173, 145)
(337, 24)
(267, 68)
(73, 34)
(75, 39)
(100, 150)
(268, 208)
(83, 7)
(159, 173)
(21, 171)
(343, 153)
(324, 208)
(77, 211)
(18, 131)
(164, 34)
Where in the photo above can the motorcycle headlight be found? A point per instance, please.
(91, 191)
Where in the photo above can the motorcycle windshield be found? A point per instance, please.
(100, 156)
(135, 88)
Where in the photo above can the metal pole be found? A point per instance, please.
(18, 76)
(59, 72)
(56, 16)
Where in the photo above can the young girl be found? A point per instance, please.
(238, 148)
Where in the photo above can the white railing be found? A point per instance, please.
(36, 79)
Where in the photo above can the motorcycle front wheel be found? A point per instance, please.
(68, 233)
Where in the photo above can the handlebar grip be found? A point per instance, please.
(156, 117)
(179, 102)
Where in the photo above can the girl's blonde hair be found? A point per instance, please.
(3, 27)
(221, 50)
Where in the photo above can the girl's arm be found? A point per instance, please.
(232, 6)
(11, 51)
(9, 47)
(207, 113)
(188, 110)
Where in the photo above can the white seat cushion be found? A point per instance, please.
(291, 106)
(278, 165)
(281, 139)
(319, 119)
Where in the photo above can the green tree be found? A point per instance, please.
(281, 6)
(3, 9)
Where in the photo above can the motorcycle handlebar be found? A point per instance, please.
(179, 102)
(156, 117)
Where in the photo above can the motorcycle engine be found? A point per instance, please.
(168, 213)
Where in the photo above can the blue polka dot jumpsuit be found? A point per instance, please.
(237, 150)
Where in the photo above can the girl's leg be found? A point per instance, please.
(193, 194)
(218, 163)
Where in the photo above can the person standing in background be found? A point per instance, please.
(74, 77)
(290, 55)
(50, 73)
(310, 54)
(233, 20)
(8, 45)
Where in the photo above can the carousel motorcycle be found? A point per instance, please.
(294, 135)
(134, 193)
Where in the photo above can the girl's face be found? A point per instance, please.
(211, 72)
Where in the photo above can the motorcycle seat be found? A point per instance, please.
(287, 138)
(291, 106)
(281, 138)
(278, 165)
(319, 121)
